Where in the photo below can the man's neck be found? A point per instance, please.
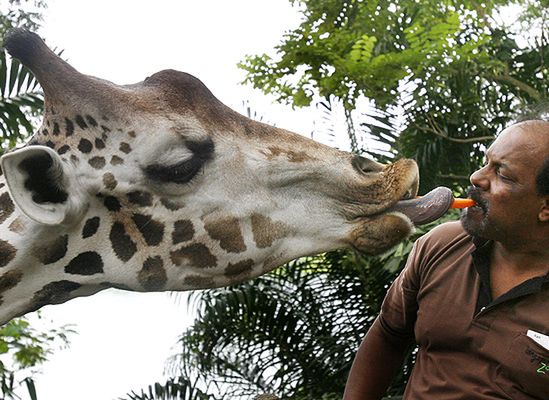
(510, 267)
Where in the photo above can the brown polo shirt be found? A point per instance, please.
(470, 345)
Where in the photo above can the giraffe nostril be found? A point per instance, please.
(366, 165)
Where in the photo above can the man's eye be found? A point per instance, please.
(503, 177)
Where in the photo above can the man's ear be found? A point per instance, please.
(43, 186)
(543, 215)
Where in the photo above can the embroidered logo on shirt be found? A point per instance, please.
(543, 368)
(542, 364)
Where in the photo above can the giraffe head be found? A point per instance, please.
(159, 186)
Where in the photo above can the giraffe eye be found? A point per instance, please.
(184, 171)
(179, 173)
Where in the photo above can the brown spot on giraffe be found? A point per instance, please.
(151, 230)
(122, 244)
(91, 120)
(125, 148)
(227, 231)
(6, 207)
(140, 198)
(99, 144)
(80, 122)
(9, 280)
(291, 155)
(196, 254)
(97, 162)
(152, 276)
(90, 227)
(109, 181)
(112, 203)
(86, 263)
(63, 149)
(171, 205)
(239, 269)
(197, 281)
(115, 160)
(53, 251)
(265, 231)
(69, 127)
(54, 293)
(85, 146)
(17, 226)
(183, 231)
(7, 253)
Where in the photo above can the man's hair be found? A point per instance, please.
(539, 112)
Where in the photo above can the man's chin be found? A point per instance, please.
(473, 225)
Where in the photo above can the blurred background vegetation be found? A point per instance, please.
(429, 80)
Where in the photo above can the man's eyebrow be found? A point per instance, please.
(496, 162)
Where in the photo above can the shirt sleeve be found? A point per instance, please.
(399, 309)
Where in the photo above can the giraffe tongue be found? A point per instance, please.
(428, 208)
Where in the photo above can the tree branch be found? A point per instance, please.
(451, 139)
(519, 84)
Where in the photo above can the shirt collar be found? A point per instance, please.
(481, 261)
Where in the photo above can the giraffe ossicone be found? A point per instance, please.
(159, 186)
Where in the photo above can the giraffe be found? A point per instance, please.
(159, 186)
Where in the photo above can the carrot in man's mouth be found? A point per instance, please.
(463, 203)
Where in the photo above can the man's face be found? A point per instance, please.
(505, 188)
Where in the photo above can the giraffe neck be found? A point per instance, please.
(42, 265)
(31, 257)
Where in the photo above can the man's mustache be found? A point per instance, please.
(474, 193)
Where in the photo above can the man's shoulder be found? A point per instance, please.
(441, 248)
(447, 230)
(445, 235)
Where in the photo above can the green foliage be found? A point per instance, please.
(450, 72)
(353, 48)
(177, 388)
(21, 348)
(21, 99)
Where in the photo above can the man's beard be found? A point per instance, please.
(475, 227)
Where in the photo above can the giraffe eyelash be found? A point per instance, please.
(184, 171)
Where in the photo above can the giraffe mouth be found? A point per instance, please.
(424, 209)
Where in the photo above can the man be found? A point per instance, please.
(474, 296)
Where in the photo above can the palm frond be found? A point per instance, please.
(20, 100)
(291, 332)
(173, 389)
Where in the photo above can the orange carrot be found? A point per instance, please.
(462, 203)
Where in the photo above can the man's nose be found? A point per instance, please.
(479, 179)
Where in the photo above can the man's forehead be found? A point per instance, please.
(527, 136)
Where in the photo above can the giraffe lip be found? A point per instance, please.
(425, 209)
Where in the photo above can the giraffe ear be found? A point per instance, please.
(43, 186)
